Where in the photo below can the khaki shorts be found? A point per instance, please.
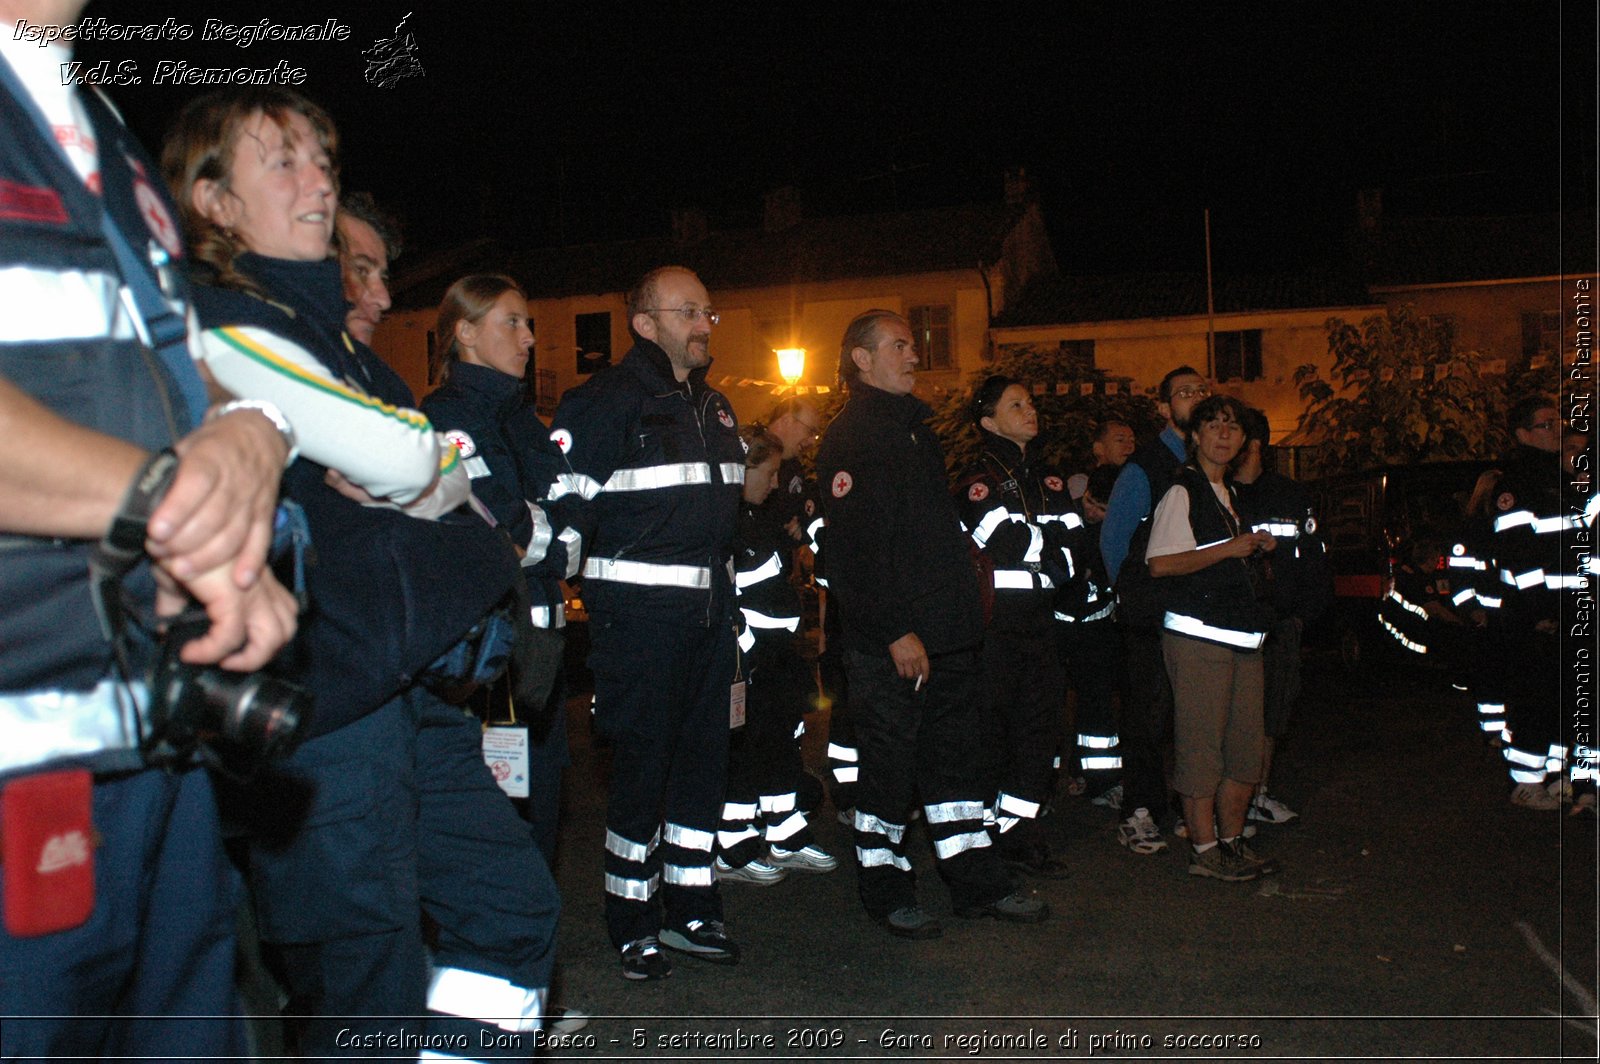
(1216, 718)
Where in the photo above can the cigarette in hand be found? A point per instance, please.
(918, 685)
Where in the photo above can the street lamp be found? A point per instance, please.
(791, 364)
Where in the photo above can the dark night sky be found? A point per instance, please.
(545, 123)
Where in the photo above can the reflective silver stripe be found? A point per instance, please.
(772, 567)
(878, 857)
(732, 472)
(950, 812)
(1492, 725)
(1467, 562)
(1279, 529)
(1557, 751)
(633, 889)
(817, 524)
(1071, 520)
(790, 826)
(1018, 579)
(42, 726)
(57, 305)
(1491, 707)
(1100, 614)
(574, 484)
(1186, 625)
(1414, 647)
(1524, 580)
(756, 619)
(1213, 543)
(1002, 824)
(1035, 549)
(628, 850)
(734, 812)
(1099, 764)
(778, 803)
(650, 574)
(1010, 803)
(849, 774)
(870, 824)
(1466, 594)
(1541, 525)
(574, 541)
(649, 478)
(957, 844)
(539, 542)
(1522, 757)
(681, 876)
(1097, 742)
(485, 998)
(1513, 519)
(549, 616)
(991, 521)
(799, 729)
(843, 753)
(689, 838)
(1560, 582)
(1519, 775)
(729, 839)
(1406, 604)
(1491, 601)
(747, 640)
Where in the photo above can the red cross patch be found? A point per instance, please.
(726, 418)
(562, 439)
(1053, 483)
(978, 492)
(462, 442)
(842, 484)
(156, 217)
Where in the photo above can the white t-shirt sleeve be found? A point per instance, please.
(1170, 532)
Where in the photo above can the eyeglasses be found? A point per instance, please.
(688, 314)
(1192, 391)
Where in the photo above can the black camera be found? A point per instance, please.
(237, 720)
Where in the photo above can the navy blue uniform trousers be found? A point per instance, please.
(407, 818)
(661, 698)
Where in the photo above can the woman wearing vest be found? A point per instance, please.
(1211, 640)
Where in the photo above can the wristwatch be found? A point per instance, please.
(269, 411)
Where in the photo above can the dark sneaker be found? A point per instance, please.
(757, 872)
(1018, 907)
(1269, 810)
(705, 939)
(1267, 865)
(1221, 862)
(642, 959)
(1037, 862)
(911, 921)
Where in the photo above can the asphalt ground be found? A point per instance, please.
(1418, 915)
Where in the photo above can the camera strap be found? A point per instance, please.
(123, 544)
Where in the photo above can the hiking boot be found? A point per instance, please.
(1266, 865)
(757, 872)
(1111, 798)
(1269, 810)
(805, 859)
(1222, 862)
(705, 939)
(1018, 907)
(911, 921)
(1140, 834)
(1533, 796)
(642, 959)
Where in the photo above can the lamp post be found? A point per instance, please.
(791, 364)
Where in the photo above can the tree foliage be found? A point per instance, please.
(1068, 418)
(1401, 392)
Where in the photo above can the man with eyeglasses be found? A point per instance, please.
(1531, 573)
(1147, 711)
(654, 475)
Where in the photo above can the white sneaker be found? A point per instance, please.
(1269, 810)
(757, 872)
(1140, 834)
(805, 859)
